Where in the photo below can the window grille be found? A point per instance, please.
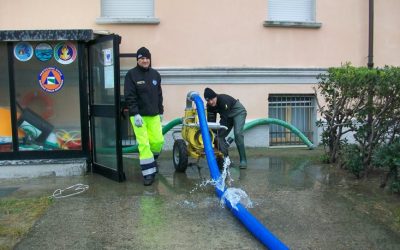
(299, 111)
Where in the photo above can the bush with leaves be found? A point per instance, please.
(351, 159)
(365, 102)
(344, 94)
(379, 118)
(388, 158)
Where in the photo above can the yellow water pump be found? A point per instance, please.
(191, 143)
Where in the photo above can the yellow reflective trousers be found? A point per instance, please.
(150, 141)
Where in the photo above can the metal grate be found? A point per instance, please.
(297, 110)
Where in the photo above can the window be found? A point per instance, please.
(295, 13)
(127, 11)
(298, 110)
(5, 107)
(47, 95)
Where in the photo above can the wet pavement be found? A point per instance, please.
(306, 206)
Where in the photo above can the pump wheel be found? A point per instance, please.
(180, 155)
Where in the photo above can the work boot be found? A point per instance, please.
(148, 179)
(242, 155)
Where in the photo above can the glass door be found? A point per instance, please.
(6, 138)
(104, 92)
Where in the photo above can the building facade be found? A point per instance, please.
(267, 53)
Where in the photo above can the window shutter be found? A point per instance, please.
(127, 8)
(291, 10)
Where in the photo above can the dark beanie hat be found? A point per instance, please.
(209, 94)
(143, 52)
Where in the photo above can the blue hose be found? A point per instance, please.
(241, 213)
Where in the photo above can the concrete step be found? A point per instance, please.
(40, 168)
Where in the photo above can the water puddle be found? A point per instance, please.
(224, 183)
(305, 204)
(5, 191)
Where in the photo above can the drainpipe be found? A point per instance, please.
(371, 35)
(370, 65)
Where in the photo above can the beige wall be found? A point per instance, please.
(48, 14)
(229, 33)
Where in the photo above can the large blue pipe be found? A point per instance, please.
(248, 220)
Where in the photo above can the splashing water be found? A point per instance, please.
(220, 183)
(232, 195)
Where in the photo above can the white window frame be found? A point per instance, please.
(292, 13)
(127, 11)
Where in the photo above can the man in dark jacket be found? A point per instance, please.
(143, 96)
(232, 114)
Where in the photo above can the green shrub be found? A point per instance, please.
(395, 186)
(361, 101)
(351, 159)
(324, 158)
(388, 157)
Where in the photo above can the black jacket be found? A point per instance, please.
(143, 93)
(223, 107)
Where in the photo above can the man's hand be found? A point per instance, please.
(138, 120)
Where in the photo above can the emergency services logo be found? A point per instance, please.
(154, 82)
(51, 79)
(65, 53)
(23, 51)
(43, 52)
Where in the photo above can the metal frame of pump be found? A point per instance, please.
(192, 143)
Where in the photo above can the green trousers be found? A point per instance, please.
(150, 141)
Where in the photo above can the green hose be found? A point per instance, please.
(230, 137)
(171, 124)
(266, 121)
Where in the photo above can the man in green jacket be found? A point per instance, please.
(233, 115)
